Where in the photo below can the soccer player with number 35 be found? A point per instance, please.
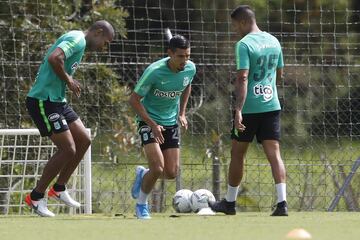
(259, 65)
(159, 100)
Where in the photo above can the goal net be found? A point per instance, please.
(23, 155)
(320, 95)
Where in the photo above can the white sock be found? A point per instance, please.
(281, 192)
(144, 172)
(143, 197)
(232, 193)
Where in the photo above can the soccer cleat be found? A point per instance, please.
(63, 197)
(142, 211)
(40, 206)
(280, 209)
(223, 206)
(135, 190)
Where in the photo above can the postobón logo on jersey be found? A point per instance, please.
(266, 91)
(169, 94)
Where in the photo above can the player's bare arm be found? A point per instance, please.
(279, 75)
(141, 111)
(183, 103)
(56, 60)
(241, 83)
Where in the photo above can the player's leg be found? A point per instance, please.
(239, 147)
(148, 178)
(236, 168)
(272, 151)
(269, 136)
(47, 117)
(171, 151)
(171, 162)
(66, 150)
(155, 159)
(82, 143)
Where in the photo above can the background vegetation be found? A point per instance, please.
(320, 94)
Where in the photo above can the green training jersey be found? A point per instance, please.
(261, 54)
(161, 90)
(47, 84)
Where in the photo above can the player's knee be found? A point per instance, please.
(171, 174)
(158, 170)
(86, 141)
(69, 150)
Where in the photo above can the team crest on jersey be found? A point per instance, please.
(74, 66)
(186, 81)
(265, 91)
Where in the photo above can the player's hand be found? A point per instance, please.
(74, 86)
(238, 121)
(157, 131)
(183, 121)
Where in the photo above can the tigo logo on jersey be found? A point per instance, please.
(265, 91)
(186, 81)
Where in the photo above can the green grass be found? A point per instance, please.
(249, 226)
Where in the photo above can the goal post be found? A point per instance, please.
(23, 155)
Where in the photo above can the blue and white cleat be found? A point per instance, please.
(135, 190)
(142, 211)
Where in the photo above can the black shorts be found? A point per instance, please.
(50, 117)
(266, 126)
(171, 136)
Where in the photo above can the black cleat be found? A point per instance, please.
(223, 206)
(280, 209)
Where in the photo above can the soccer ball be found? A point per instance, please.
(181, 201)
(200, 199)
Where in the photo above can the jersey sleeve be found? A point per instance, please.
(145, 82)
(72, 45)
(281, 60)
(242, 56)
(193, 72)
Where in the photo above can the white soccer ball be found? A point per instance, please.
(181, 201)
(200, 199)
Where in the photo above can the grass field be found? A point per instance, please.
(249, 226)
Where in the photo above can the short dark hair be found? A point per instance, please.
(104, 25)
(178, 41)
(243, 13)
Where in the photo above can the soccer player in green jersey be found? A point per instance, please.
(259, 65)
(159, 99)
(46, 104)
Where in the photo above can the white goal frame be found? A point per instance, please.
(86, 163)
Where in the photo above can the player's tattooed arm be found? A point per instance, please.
(279, 75)
(183, 102)
(241, 88)
(241, 83)
(56, 60)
